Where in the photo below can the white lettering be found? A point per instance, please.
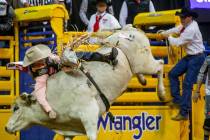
(201, 1)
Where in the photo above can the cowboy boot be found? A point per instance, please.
(173, 105)
(110, 58)
(113, 56)
(179, 117)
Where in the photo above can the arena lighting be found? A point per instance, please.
(203, 4)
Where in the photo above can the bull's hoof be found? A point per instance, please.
(144, 83)
(161, 95)
(141, 80)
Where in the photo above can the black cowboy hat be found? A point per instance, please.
(186, 12)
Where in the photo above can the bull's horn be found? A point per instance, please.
(24, 96)
(32, 98)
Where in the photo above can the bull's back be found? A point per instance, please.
(69, 92)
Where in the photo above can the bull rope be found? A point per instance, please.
(171, 53)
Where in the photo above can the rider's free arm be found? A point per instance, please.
(16, 66)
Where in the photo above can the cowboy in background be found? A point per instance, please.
(191, 40)
(102, 20)
(88, 8)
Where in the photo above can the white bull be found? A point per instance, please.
(76, 100)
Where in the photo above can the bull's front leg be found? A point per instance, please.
(89, 117)
(160, 88)
(155, 67)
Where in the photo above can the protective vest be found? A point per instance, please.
(134, 8)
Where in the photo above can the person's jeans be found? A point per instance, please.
(191, 66)
(91, 56)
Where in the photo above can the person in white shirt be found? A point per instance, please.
(131, 8)
(190, 38)
(88, 8)
(101, 20)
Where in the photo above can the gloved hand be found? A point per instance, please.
(52, 114)
(164, 35)
(196, 96)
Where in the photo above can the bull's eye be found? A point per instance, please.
(15, 108)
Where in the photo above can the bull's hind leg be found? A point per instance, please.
(156, 67)
(161, 89)
(141, 79)
(89, 118)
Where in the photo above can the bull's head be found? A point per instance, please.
(22, 113)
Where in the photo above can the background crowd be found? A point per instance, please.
(81, 10)
(78, 20)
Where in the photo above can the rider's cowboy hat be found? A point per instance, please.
(36, 53)
(186, 12)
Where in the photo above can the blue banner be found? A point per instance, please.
(200, 4)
